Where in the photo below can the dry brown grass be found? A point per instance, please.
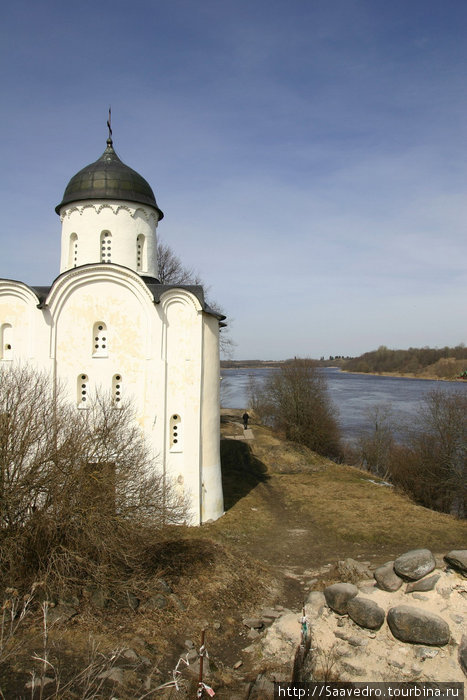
(339, 506)
(287, 507)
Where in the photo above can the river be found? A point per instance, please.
(354, 395)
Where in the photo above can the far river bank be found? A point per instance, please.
(400, 375)
(408, 375)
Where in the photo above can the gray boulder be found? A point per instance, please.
(114, 674)
(426, 653)
(262, 688)
(424, 584)
(132, 600)
(61, 612)
(417, 626)
(366, 613)
(177, 602)
(161, 585)
(99, 598)
(253, 622)
(415, 564)
(457, 558)
(338, 595)
(130, 655)
(155, 602)
(386, 577)
(350, 570)
(463, 654)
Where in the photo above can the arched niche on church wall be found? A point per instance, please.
(6, 342)
(23, 329)
(182, 315)
(183, 360)
(82, 300)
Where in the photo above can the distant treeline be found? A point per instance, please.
(249, 364)
(444, 362)
(336, 361)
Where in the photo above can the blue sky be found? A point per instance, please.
(309, 155)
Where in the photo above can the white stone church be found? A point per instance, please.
(107, 324)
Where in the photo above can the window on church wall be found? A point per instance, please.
(100, 345)
(175, 433)
(82, 388)
(141, 254)
(117, 391)
(7, 342)
(73, 250)
(106, 247)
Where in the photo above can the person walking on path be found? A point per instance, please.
(246, 418)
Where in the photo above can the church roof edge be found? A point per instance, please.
(155, 287)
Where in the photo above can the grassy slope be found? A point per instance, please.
(340, 507)
(286, 509)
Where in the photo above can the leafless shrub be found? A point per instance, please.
(295, 401)
(173, 271)
(324, 664)
(432, 467)
(80, 494)
(375, 446)
(13, 611)
(88, 682)
(171, 268)
(48, 678)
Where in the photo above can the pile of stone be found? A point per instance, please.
(422, 606)
(404, 621)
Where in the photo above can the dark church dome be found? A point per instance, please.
(109, 178)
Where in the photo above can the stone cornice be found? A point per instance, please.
(115, 208)
(180, 295)
(18, 289)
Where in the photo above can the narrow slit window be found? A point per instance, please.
(117, 390)
(7, 341)
(106, 247)
(100, 340)
(82, 391)
(141, 262)
(73, 250)
(175, 433)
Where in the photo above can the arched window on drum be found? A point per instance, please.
(73, 250)
(106, 247)
(141, 254)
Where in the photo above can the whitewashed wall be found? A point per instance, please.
(84, 223)
(165, 354)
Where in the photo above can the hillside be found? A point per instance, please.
(428, 363)
(290, 515)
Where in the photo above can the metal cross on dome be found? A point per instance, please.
(109, 122)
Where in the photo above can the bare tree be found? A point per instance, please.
(79, 490)
(375, 446)
(173, 271)
(432, 467)
(294, 400)
(171, 268)
(440, 441)
(30, 436)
